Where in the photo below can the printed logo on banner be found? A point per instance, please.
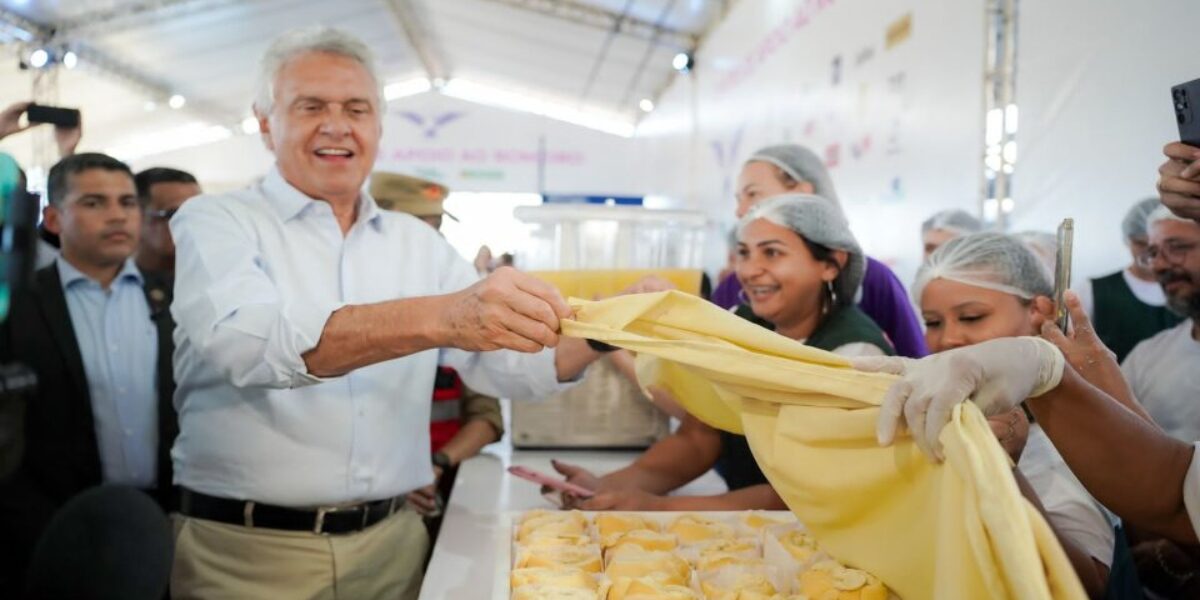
(432, 125)
(899, 31)
(725, 155)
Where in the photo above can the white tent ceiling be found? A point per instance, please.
(593, 56)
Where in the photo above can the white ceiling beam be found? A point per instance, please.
(418, 33)
(593, 16)
(134, 14)
(106, 65)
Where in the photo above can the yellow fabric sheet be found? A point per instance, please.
(956, 531)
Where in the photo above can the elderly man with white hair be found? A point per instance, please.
(1162, 369)
(310, 324)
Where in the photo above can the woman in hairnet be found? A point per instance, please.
(800, 267)
(989, 286)
(790, 168)
(946, 225)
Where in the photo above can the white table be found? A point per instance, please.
(464, 563)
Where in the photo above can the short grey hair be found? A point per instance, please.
(319, 38)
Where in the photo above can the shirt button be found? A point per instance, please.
(129, 433)
(113, 347)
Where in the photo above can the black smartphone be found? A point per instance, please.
(60, 117)
(1186, 97)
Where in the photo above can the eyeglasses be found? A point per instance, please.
(161, 215)
(1172, 252)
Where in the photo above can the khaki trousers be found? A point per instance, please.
(214, 561)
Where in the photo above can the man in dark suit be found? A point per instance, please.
(98, 335)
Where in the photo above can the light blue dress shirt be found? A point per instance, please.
(119, 345)
(257, 274)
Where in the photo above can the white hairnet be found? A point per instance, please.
(1134, 224)
(801, 164)
(956, 220)
(1163, 213)
(817, 220)
(993, 261)
(1044, 246)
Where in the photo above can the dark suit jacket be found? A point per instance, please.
(61, 455)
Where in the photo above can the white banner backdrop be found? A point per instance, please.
(1093, 86)
(468, 147)
(888, 92)
(476, 148)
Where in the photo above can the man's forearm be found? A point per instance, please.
(469, 440)
(1126, 463)
(669, 464)
(365, 334)
(572, 356)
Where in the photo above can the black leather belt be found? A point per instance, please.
(323, 520)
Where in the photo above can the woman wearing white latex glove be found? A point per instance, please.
(998, 375)
(983, 298)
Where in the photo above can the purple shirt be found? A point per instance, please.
(884, 299)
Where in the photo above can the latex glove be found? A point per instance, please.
(997, 375)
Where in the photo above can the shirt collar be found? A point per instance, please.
(68, 274)
(289, 202)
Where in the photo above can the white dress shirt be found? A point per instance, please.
(258, 273)
(118, 344)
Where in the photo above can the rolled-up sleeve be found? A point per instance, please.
(229, 309)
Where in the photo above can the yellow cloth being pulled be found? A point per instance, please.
(949, 532)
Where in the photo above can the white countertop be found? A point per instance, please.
(464, 562)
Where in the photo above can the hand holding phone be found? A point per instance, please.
(1186, 100)
(67, 118)
(553, 483)
(1062, 273)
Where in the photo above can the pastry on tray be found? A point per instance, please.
(644, 588)
(610, 523)
(543, 592)
(719, 560)
(560, 577)
(585, 558)
(691, 529)
(642, 538)
(633, 562)
(829, 580)
(802, 546)
(733, 583)
(551, 523)
(757, 520)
